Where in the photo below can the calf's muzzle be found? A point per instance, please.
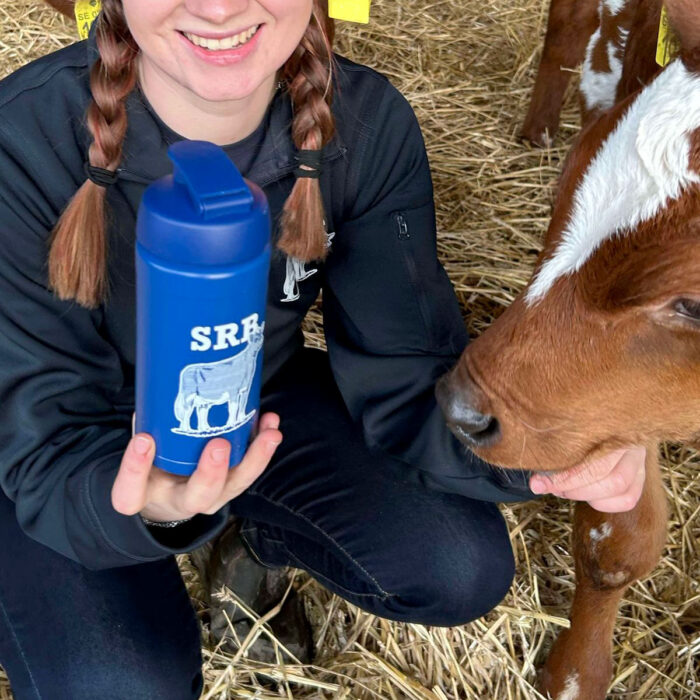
(457, 400)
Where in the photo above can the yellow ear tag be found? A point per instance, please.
(85, 13)
(349, 10)
(668, 45)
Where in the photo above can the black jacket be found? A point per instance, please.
(392, 322)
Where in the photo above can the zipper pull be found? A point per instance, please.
(403, 227)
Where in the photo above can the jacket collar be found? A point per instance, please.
(143, 163)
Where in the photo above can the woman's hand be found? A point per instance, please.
(611, 484)
(161, 496)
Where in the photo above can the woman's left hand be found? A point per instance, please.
(610, 484)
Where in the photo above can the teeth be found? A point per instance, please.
(222, 44)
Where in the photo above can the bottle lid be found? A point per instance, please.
(205, 213)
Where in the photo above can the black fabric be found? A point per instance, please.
(392, 322)
(361, 522)
(356, 520)
(66, 633)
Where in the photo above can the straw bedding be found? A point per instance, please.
(467, 67)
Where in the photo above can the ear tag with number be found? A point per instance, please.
(668, 45)
(349, 10)
(85, 13)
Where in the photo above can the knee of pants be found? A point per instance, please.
(166, 675)
(455, 583)
(142, 683)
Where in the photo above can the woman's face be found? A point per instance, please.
(218, 49)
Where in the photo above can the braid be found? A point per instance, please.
(78, 254)
(308, 74)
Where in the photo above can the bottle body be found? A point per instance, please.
(199, 355)
(202, 263)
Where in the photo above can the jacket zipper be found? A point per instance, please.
(404, 235)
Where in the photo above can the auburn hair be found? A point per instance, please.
(78, 251)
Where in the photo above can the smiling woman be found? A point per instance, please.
(469, 115)
(185, 45)
(353, 464)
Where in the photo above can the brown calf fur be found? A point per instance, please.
(569, 27)
(609, 354)
(64, 6)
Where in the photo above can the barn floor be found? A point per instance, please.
(467, 67)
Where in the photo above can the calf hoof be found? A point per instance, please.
(565, 676)
(235, 578)
(290, 627)
(540, 135)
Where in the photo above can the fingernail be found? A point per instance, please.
(142, 445)
(538, 485)
(219, 454)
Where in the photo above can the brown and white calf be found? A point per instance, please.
(602, 349)
(603, 35)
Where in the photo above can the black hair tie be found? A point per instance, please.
(311, 160)
(100, 176)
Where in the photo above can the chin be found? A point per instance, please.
(212, 90)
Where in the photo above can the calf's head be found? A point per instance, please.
(602, 349)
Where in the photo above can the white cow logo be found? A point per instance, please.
(206, 384)
(297, 272)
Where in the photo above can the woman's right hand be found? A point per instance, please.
(160, 496)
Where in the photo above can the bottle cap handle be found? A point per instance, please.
(212, 180)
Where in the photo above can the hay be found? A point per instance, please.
(467, 67)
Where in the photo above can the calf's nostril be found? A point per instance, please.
(464, 420)
(482, 433)
(489, 435)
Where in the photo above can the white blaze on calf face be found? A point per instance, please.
(643, 165)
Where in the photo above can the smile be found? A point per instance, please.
(229, 42)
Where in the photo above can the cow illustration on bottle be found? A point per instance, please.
(206, 384)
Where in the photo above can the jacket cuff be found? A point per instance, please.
(130, 537)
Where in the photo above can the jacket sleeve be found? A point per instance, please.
(62, 430)
(392, 321)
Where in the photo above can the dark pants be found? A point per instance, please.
(326, 504)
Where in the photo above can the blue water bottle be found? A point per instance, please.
(202, 263)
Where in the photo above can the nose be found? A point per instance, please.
(216, 11)
(470, 426)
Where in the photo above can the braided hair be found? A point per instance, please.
(309, 74)
(78, 251)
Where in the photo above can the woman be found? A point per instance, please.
(368, 490)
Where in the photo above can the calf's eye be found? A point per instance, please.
(688, 308)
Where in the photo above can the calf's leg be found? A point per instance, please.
(611, 551)
(570, 25)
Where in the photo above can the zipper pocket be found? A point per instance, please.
(404, 235)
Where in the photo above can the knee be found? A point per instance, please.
(173, 671)
(458, 580)
(136, 684)
(155, 676)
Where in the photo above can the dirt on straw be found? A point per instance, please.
(467, 67)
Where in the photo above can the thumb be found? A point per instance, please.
(583, 474)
